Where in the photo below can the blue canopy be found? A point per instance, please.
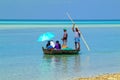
(45, 36)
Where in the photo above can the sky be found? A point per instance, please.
(56, 9)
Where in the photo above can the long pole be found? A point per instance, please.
(80, 32)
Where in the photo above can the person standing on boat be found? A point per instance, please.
(77, 37)
(65, 36)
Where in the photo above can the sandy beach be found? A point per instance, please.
(115, 76)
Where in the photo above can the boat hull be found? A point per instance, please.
(50, 52)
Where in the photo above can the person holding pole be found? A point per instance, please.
(77, 37)
(79, 32)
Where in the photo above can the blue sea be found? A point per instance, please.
(22, 58)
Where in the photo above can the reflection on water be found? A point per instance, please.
(61, 66)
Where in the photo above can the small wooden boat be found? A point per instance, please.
(70, 52)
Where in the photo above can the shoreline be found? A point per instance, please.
(114, 76)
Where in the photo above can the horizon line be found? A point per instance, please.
(59, 20)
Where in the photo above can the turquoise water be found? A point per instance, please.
(21, 56)
(37, 22)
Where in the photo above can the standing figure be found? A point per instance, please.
(65, 36)
(77, 37)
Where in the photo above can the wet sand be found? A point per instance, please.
(115, 76)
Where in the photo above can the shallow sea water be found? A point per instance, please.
(21, 56)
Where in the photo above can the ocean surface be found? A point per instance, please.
(22, 58)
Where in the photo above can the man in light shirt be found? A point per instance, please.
(77, 37)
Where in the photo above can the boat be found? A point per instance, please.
(50, 52)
